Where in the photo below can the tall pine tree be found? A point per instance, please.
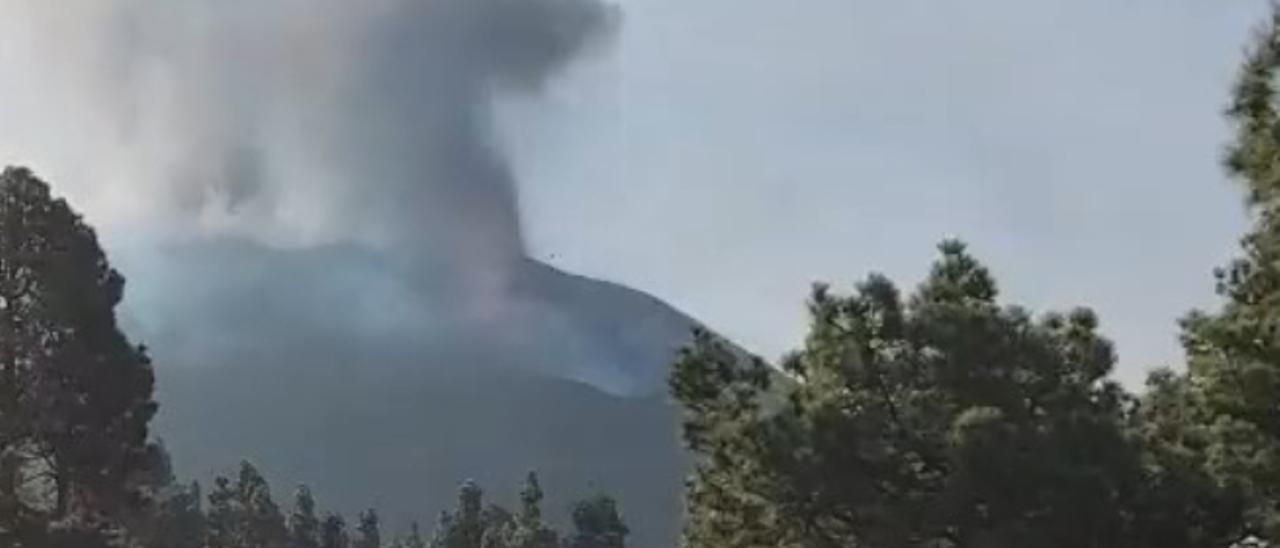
(243, 515)
(333, 532)
(941, 420)
(304, 526)
(368, 533)
(465, 526)
(598, 524)
(1219, 423)
(527, 529)
(75, 394)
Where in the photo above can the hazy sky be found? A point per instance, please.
(725, 154)
(728, 153)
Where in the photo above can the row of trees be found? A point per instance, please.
(240, 513)
(946, 419)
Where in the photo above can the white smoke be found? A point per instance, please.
(302, 120)
(319, 155)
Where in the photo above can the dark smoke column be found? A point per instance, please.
(413, 131)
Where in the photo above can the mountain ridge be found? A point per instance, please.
(394, 414)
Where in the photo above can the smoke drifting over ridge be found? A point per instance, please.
(374, 115)
(293, 169)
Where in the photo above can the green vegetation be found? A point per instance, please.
(75, 395)
(947, 419)
(242, 514)
(940, 420)
(943, 418)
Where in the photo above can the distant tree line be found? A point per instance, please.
(942, 418)
(240, 513)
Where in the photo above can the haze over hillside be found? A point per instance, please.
(225, 299)
(397, 421)
(394, 417)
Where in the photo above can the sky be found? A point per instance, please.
(726, 154)
(721, 155)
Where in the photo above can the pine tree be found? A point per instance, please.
(75, 394)
(528, 530)
(598, 524)
(465, 526)
(304, 526)
(368, 535)
(943, 420)
(243, 515)
(222, 521)
(1218, 424)
(262, 523)
(333, 532)
(498, 528)
(445, 535)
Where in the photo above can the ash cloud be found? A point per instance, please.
(381, 109)
(278, 173)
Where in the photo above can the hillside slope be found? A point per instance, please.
(402, 440)
(327, 366)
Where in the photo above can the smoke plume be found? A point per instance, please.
(335, 120)
(334, 161)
